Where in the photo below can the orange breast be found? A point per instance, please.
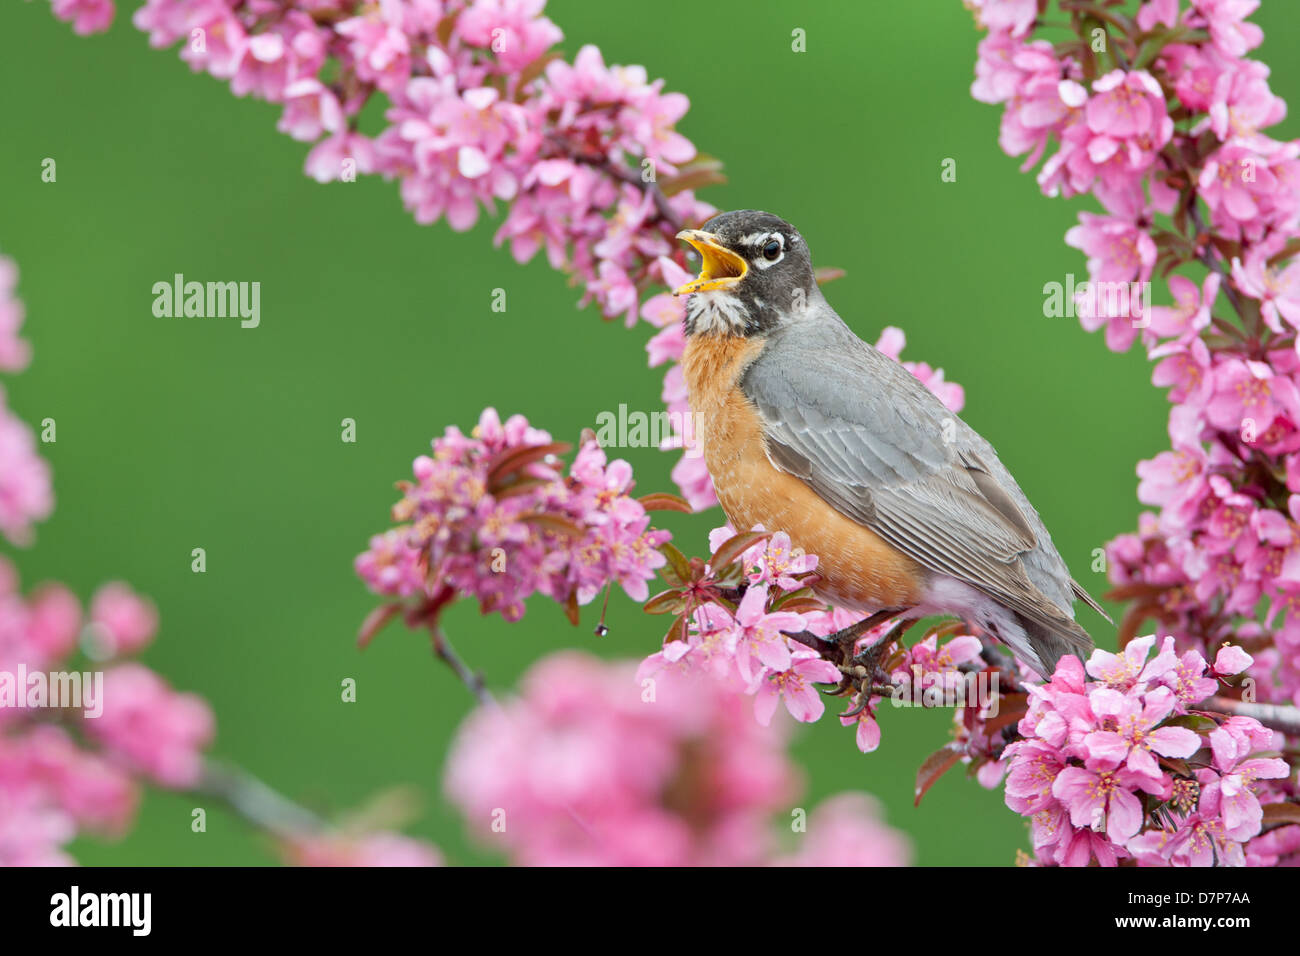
(859, 569)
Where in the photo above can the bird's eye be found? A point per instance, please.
(772, 250)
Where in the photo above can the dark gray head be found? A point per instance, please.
(756, 272)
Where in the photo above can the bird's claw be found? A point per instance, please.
(862, 668)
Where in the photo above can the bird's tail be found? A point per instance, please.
(1051, 642)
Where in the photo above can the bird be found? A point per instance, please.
(807, 429)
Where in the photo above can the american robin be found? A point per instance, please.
(807, 429)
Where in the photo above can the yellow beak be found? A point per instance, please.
(721, 268)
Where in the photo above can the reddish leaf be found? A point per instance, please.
(555, 523)
(731, 549)
(793, 597)
(511, 460)
(663, 501)
(1011, 707)
(935, 766)
(1286, 252)
(828, 274)
(678, 631)
(520, 487)
(665, 602)
(445, 27)
(1175, 765)
(571, 610)
(693, 179)
(533, 70)
(375, 622)
(1285, 812)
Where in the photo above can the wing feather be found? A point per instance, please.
(878, 447)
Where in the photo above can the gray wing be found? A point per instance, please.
(880, 448)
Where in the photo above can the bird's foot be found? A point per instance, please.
(864, 672)
(848, 637)
(861, 668)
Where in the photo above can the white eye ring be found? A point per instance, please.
(764, 244)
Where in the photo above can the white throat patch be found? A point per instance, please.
(716, 311)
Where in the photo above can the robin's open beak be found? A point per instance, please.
(721, 268)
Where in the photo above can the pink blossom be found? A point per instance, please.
(561, 537)
(1117, 249)
(1278, 290)
(513, 29)
(846, 831)
(310, 110)
(370, 849)
(390, 565)
(1013, 16)
(589, 770)
(758, 637)
(1191, 310)
(866, 734)
(1231, 660)
(215, 39)
(1242, 102)
(378, 45)
(151, 728)
(1239, 185)
(86, 16)
(15, 353)
(1225, 20)
(1250, 391)
(795, 686)
(1135, 734)
(126, 620)
(1157, 11)
(1127, 126)
(25, 493)
(1130, 667)
(1103, 800)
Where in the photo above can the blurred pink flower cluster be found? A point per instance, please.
(490, 515)
(1121, 766)
(1167, 131)
(589, 765)
(70, 770)
(65, 769)
(26, 495)
(366, 849)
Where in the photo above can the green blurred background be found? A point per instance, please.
(176, 434)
